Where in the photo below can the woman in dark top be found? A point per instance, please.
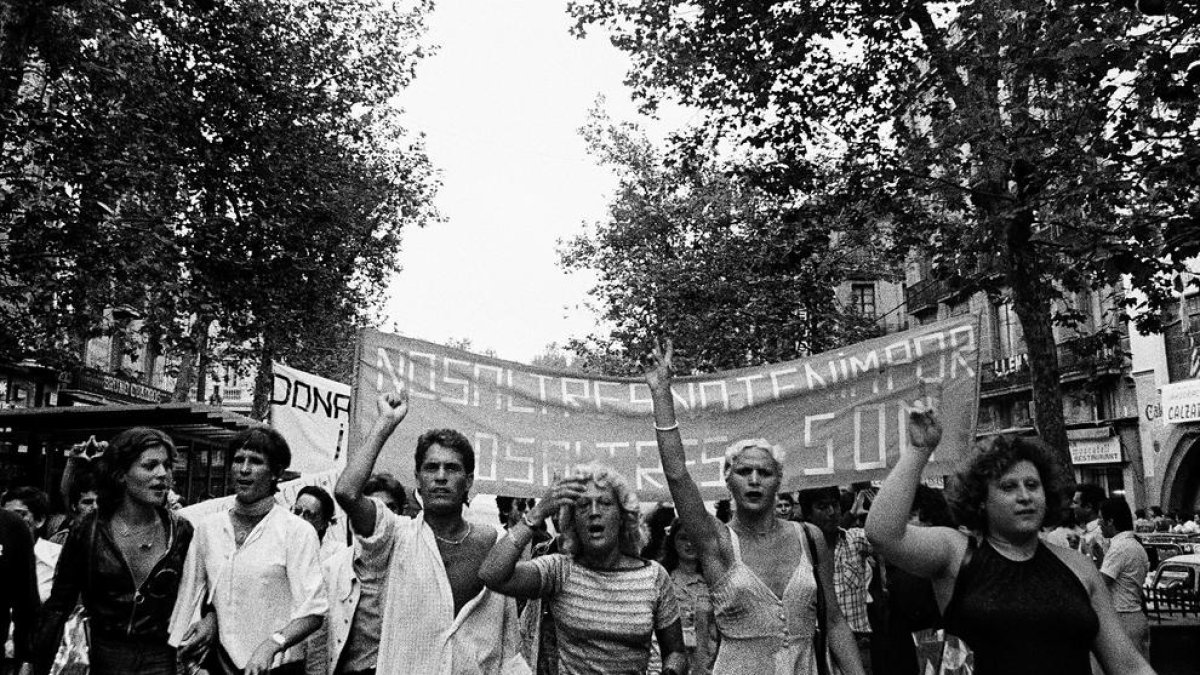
(1021, 605)
(124, 560)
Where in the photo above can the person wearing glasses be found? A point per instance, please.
(124, 561)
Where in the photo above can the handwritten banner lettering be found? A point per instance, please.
(841, 416)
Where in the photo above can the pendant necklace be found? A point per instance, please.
(126, 531)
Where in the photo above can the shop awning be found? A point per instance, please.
(186, 423)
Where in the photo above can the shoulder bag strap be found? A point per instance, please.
(821, 637)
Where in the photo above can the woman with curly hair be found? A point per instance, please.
(1021, 605)
(606, 600)
(124, 560)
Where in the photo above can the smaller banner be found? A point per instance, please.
(312, 413)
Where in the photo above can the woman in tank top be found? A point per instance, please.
(759, 569)
(1023, 606)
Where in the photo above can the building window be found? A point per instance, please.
(1009, 341)
(1182, 340)
(862, 299)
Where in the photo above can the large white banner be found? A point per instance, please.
(313, 414)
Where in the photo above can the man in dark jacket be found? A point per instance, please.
(18, 592)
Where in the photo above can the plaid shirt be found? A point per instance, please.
(852, 568)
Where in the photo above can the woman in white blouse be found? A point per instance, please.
(252, 585)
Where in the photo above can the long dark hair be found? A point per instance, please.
(123, 451)
(670, 556)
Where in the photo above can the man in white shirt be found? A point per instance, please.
(1086, 504)
(1124, 571)
(437, 616)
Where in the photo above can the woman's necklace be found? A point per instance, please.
(126, 531)
(759, 533)
(453, 542)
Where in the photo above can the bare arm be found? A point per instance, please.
(296, 630)
(929, 552)
(703, 529)
(360, 462)
(502, 571)
(672, 648)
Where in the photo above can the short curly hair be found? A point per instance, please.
(631, 538)
(968, 491)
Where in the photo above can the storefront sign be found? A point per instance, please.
(111, 386)
(1181, 402)
(1096, 451)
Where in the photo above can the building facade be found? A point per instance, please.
(1099, 399)
(1166, 371)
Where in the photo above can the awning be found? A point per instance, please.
(185, 423)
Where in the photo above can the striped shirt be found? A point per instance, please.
(604, 618)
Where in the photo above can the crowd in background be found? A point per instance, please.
(578, 581)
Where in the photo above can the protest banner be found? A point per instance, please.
(841, 416)
(312, 413)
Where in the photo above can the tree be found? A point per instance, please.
(1026, 147)
(735, 275)
(241, 165)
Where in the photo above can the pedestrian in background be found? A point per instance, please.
(1124, 570)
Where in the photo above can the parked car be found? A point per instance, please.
(1162, 545)
(1174, 586)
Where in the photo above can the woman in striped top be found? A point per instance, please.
(606, 601)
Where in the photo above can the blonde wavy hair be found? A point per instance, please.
(630, 539)
(733, 452)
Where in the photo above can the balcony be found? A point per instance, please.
(1079, 358)
(925, 294)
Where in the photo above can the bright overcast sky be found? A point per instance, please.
(500, 104)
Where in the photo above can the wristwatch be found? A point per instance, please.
(279, 639)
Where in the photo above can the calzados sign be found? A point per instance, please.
(841, 416)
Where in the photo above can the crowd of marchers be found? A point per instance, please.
(1014, 562)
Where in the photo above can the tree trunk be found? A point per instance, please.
(1031, 298)
(264, 380)
(198, 340)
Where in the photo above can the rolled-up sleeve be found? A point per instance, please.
(304, 575)
(377, 546)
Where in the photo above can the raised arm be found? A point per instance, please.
(360, 462)
(928, 552)
(703, 528)
(502, 571)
